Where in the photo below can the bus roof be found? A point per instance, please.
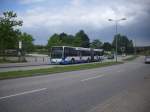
(98, 50)
(82, 48)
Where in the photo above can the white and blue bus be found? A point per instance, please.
(70, 55)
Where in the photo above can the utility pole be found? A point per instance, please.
(116, 28)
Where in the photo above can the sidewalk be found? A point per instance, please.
(9, 65)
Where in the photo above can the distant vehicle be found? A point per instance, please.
(71, 55)
(147, 59)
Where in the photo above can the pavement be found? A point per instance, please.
(118, 88)
(12, 65)
(24, 66)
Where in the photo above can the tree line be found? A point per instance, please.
(10, 35)
(81, 39)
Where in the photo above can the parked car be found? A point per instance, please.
(147, 59)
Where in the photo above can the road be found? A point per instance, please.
(118, 88)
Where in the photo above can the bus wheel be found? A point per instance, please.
(72, 61)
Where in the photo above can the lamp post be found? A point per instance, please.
(116, 28)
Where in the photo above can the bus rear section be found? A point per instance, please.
(98, 54)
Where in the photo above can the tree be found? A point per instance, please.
(8, 31)
(60, 39)
(123, 41)
(27, 42)
(42, 49)
(54, 40)
(67, 40)
(107, 46)
(81, 39)
(63, 39)
(70, 40)
(130, 47)
(96, 44)
(40, 46)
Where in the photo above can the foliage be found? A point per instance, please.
(8, 30)
(27, 42)
(80, 40)
(107, 46)
(10, 61)
(97, 44)
(40, 47)
(10, 35)
(148, 52)
(60, 39)
(123, 41)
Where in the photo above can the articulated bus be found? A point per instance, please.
(71, 55)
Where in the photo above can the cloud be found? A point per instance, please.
(77, 12)
(93, 17)
(85, 14)
(76, 2)
(30, 1)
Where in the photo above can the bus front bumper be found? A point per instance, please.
(59, 61)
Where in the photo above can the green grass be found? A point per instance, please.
(130, 58)
(10, 61)
(7, 61)
(35, 72)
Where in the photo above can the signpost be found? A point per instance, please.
(20, 44)
(19, 51)
(123, 50)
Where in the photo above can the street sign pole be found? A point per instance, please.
(19, 51)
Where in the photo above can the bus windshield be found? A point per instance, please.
(56, 52)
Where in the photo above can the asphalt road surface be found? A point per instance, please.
(119, 88)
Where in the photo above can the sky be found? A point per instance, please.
(43, 18)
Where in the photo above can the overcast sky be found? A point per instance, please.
(42, 18)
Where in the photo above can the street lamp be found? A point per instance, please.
(116, 27)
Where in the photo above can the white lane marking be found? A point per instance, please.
(23, 93)
(118, 71)
(92, 78)
(107, 70)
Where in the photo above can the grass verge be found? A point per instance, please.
(35, 72)
(10, 61)
(130, 58)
